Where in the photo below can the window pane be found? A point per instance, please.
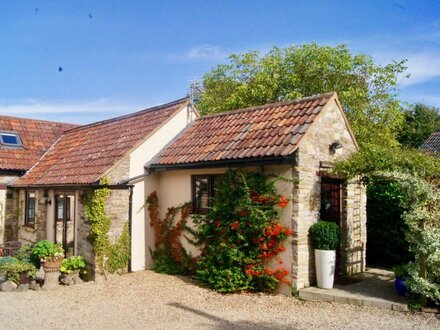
(30, 212)
(201, 193)
(9, 139)
(59, 201)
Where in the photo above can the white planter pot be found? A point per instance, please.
(325, 262)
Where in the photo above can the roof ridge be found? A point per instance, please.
(133, 114)
(258, 107)
(38, 120)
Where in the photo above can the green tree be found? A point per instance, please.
(420, 122)
(367, 91)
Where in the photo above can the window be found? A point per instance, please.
(10, 139)
(202, 192)
(30, 209)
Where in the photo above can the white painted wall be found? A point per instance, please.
(138, 158)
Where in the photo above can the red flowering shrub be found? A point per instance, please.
(241, 236)
(169, 255)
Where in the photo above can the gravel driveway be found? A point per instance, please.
(146, 300)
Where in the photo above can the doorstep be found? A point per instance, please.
(344, 297)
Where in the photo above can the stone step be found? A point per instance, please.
(317, 294)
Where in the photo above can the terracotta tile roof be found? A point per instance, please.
(265, 131)
(432, 145)
(84, 154)
(36, 137)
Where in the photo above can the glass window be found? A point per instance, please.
(10, 139)
(30, 209)
(59, 204)
(203, 191)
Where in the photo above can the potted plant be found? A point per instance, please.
(51, 255)
(74, 265)
(325, 237)
(401, 274)
(17, 271)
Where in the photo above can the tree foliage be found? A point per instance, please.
(367, 91)
(421, 200)
(393, 159)
(420, 122)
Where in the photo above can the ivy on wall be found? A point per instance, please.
(110, 257)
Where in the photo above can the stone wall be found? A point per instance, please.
(8, 223)
(26, 234)
(83, 247)
(120, 172)
(314, 149)
(117, 209)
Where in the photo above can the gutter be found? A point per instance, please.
(290, 160)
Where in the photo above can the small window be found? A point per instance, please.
(202, 192)
(10, 139)
(30, 209)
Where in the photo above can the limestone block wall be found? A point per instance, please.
(26, 234)
(83, 247)
(314, 149)
(8, 223)
(120, 172)
(117, 209)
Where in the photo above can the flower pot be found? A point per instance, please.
(51, 274)
(325, 268)
(400, 286)
(24, 279)
(52, 265)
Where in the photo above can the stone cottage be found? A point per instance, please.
(114, 149)
(22, 143)
(171, 150)
(299, 140)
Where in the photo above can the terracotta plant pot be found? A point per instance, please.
(52, 265)
(51, 274)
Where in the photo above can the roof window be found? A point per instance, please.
(10, 139)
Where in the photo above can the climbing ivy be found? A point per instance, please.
(109, 257)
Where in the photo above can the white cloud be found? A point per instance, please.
(205, 52)
(75, 111)
(423, 66)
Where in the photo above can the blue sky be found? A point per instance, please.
(121, 56)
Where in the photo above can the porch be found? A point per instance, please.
(374, 288)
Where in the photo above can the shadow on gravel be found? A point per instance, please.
(226, 324)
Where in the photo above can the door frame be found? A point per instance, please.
(332, 181)
(73, 217)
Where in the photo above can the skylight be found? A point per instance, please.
(10, 139)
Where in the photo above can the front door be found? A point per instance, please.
(65, 221)
(331, 208)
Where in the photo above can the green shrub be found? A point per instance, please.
(11, 268)
(73, 263)
(47, 250)
(241, 236)
(386, 244)
(325, 235)
(25, 254)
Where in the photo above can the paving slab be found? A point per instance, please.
(374, 288)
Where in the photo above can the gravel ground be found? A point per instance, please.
(146, 300)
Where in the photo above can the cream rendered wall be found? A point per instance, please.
(174, 188)
(138, 158)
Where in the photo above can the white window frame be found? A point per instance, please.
(3, 143)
